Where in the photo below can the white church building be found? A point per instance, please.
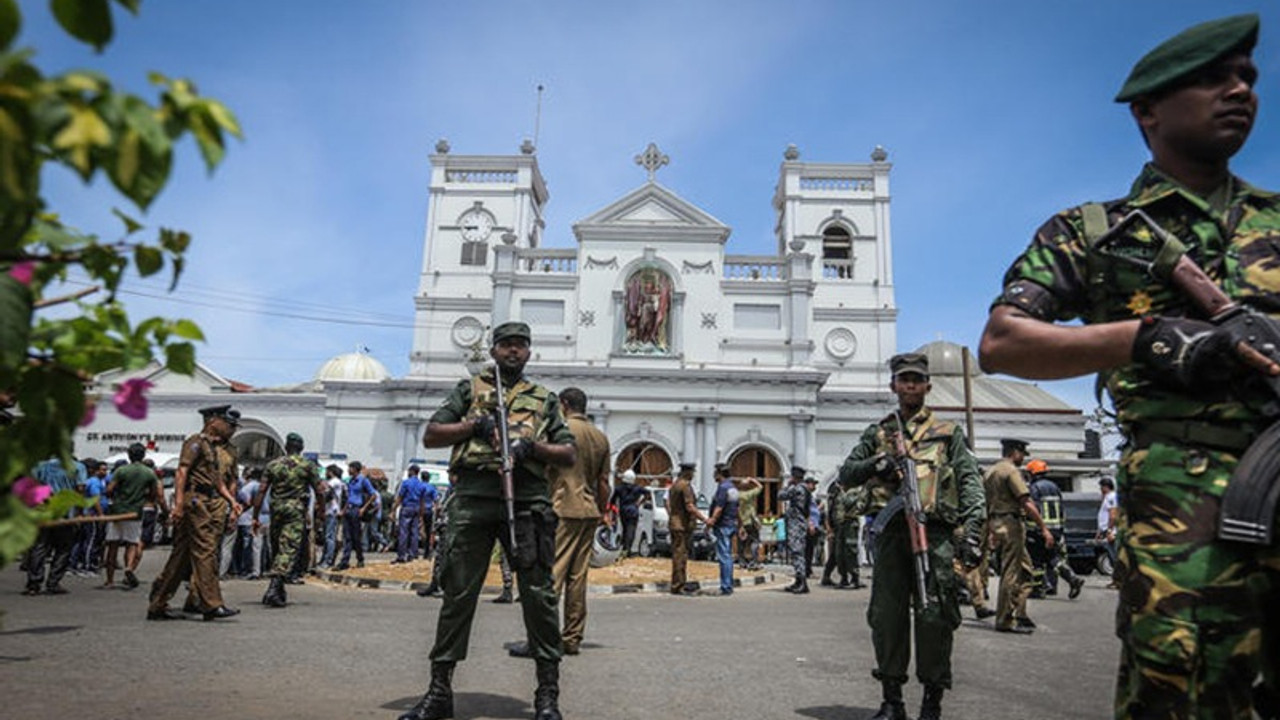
(687, 351)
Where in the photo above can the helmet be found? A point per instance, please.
(629, 477)
(1037, 467)
(606, 546)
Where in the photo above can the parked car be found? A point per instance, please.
(1085, 552)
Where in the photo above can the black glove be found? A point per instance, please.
(885, 468)
(484, 426)
(971, 552)
(521, 449)
(1184, 353)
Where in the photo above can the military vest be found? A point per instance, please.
(525, 403)
(927, 442)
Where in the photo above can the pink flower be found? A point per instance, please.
(131, 399)
(90, 411)
(23, 271)
(30, 492)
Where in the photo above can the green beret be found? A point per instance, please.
(293, 439)
(511, 330)
(1189, 51)
(909, 363)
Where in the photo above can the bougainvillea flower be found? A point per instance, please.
(30, 492)
(23, 271)
(131, 398)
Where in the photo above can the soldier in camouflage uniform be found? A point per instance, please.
(539, 437)
(797, 497)
(288, 479)
(951, 495)
(1197, 614)
(851, 504)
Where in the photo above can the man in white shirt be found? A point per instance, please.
(332, 514)
(1107, 522)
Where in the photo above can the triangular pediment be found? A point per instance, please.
(652, 205)
(165, 381)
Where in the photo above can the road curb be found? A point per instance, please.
(710, 587)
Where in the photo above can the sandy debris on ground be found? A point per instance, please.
(629, 571)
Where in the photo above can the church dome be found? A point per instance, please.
(356, 366)
(947, 358)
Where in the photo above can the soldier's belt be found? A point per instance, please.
(1190, 432)
(206, 490)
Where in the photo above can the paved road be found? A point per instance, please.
(346, 653)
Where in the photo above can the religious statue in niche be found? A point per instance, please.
(648, 306)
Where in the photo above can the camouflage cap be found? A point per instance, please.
(1189, 51)
(511, 330)
(221, 411)
(909, 363)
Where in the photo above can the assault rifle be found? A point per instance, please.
(504, 449)
(909, 491)
(1249, 502)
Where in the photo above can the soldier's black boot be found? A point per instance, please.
(275, 595)
(546, 699)
(931, 705)
(892, 707)
(437, 704)
(803, 588)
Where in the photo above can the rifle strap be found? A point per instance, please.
(1096, 224)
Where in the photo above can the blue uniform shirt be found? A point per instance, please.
(726, 499)
(429, 495)
(410, 494)
(358, 490)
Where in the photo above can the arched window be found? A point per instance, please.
(837, 253)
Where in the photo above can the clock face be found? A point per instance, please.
(476, 225)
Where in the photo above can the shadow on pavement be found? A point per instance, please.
(43, 630)
(836, 712)
(473, 705)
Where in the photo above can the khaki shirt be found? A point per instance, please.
(678, 500)
(573, 490)
(208, 462)
(1005, 488)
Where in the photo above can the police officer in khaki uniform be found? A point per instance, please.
(539, 438)
(1008, 499)
(203, 498)
(681, 512)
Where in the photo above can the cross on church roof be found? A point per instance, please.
(652, 159)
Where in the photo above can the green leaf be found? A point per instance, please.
(186, 329)
(130, 5)
(131, 226)
(175, 241)
(180, 357)
(85, 20)
(15, 325)
(17, 529)
(148, 259)
(10, 21)
(178, 263)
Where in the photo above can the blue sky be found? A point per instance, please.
(995, 114)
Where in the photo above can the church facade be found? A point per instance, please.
(687, 352)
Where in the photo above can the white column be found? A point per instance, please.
(708, 465)
(689, 452)
(800, 439)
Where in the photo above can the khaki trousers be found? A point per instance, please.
(196, 542)
(573, 558)
(680, 540)
(1015, 569)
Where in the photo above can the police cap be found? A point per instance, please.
(688, 467)
(1189, 51)
(909, 363)
(797, 471)
(221, 411)
(1010, 444)
(511, 330)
